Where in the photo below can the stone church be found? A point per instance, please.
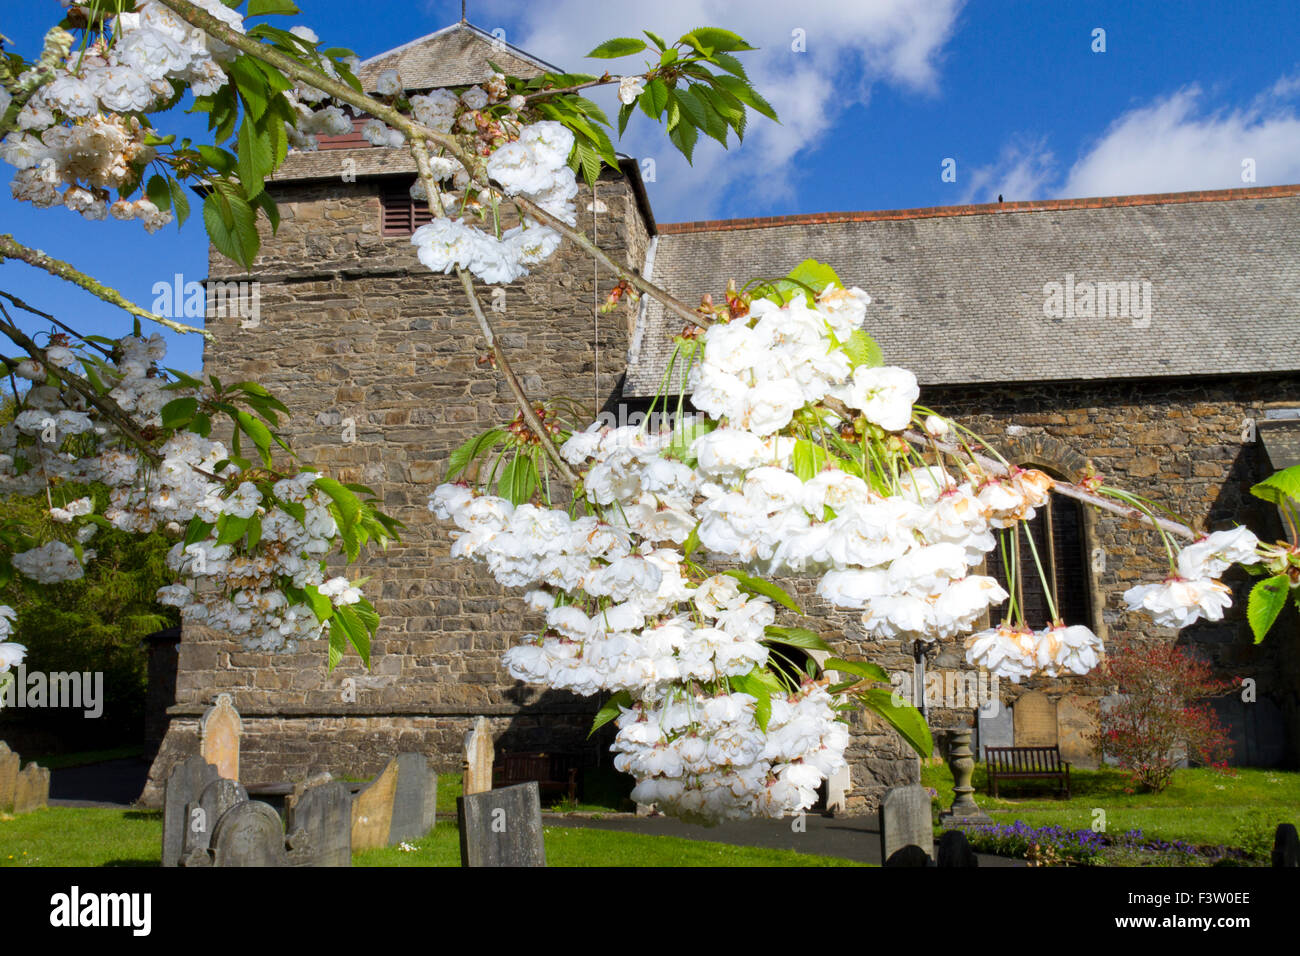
(1155, 338)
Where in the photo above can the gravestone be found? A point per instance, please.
(1286, 846)
(415, 801)
(201, 815)
(1034, 720)
(993, 728)
(906, 820)
(219, 733)
(372, 810)
(954, 850)
(906, 856)
(502, 827)
(1076, 723)
(31, 789)
(9, 764)
(185, 784)
(249, 834)
(321, 812)
(478, 758)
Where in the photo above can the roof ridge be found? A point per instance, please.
(935, 212)
(477, 31)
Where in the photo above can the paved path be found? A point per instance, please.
(852, 838)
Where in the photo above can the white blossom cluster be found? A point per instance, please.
(1194, 592)
(536, 166)
(706, 758)
(77, 131)
(242, 592)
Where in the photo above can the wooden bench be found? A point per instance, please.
(1023, 763)
(554, 772)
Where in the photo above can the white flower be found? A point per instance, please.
(11, 655)
(629, 88)
(1178, 602)
(884, 395)
(388, 83)
(1212, 555)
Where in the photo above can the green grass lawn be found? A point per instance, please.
(575, 846)
(1199, 807)
(67, 836)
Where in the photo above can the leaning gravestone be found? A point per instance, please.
(477, 776)
(322, 813)
(1286, 846)
(906, 820)
(9, 764)
(1034, 718)
(1076, 723)
(219, 733)
(954, 850)
(415, 800)
(502, 827)
(249, 834)
(201, 816)
(372, 810)
(185, 784)
(31, 789)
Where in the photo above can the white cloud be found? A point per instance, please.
(849, 47)
(1022, 170)
(1172, 144)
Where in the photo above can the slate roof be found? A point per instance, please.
(457, 55)
(958, 292)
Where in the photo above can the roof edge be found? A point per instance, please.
(937, 212)
(482, 34)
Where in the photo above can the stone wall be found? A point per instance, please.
(354, 334)
(353, 328)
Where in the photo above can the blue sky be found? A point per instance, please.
(882, 93)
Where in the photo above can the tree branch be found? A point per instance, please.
(105, 403)
(10, 248)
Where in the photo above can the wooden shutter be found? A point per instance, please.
(400, 215)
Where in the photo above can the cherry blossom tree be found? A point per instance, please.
(651, 551)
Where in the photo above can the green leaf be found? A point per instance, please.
(1266, 600)
(682, 135)
(860, 668)
(745, 93)
(254, 531)
(259, 433)
(654, 99)
(255, 159)
(610, 710)
(180, 202)
(1279, 486)
(755, 585)
(320, 604)
(158, 192)
(480, 444)
(808, 459)
(519, 480)
(338, 644)
(619, 46)
(656, 39)
(232, 529)
(356, 631)
(219, 159)
(906, 719)
(197, 530)
(231, 223)
(692, 541)
(716, 39)
(796, 637)
(863, 350)
(263, 8)
(760, 689)
(816, 274)
(179, 413)
(349, 505)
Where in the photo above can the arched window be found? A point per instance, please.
(1058, 535)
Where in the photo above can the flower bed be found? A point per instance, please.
(1062, 846)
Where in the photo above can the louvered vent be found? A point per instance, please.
(401, 215)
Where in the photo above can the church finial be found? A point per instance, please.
(462, 12)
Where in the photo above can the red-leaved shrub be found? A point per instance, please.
(1161, 713)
